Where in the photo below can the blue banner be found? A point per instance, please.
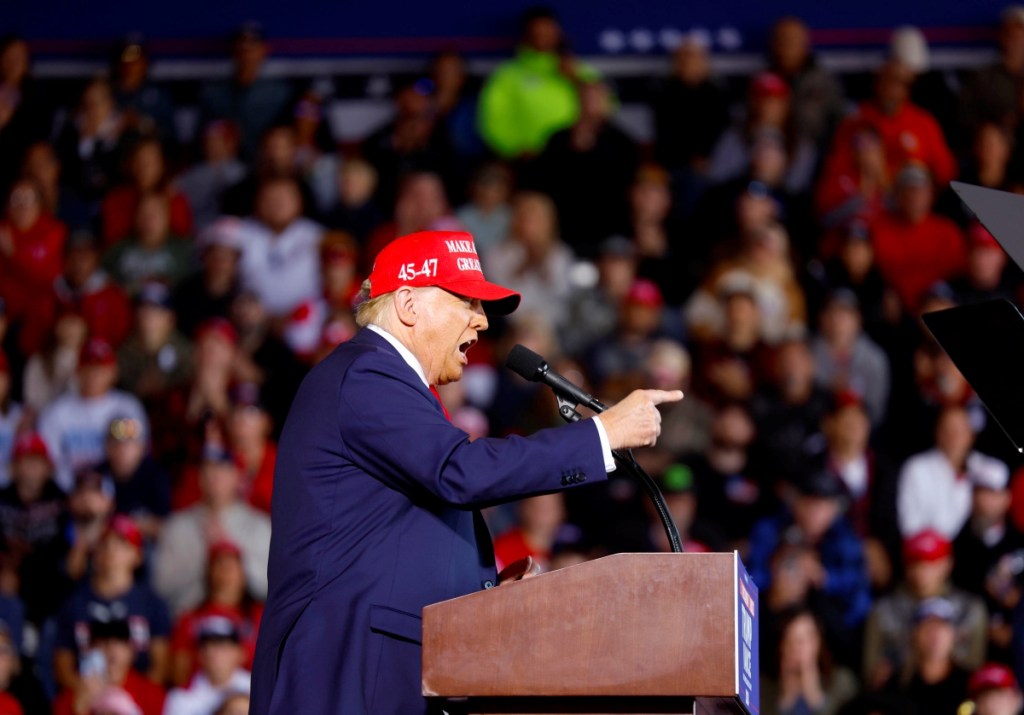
(404, 27)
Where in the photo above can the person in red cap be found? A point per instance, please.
(75, 424)
(928, 561)
(227, 595)
(769, 106)
(113, 592)
(995, 691)
(986, 277)
(623, 352)
(216, 354)
(377, 495)
(33, 518)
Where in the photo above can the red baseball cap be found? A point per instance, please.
(979, 237)
(30, 444)
(927, 545)
(217, 326)
(223, 547)
(847, 398)
(991, 676)
(126, 528)
(645, 292)
(768, 84)
(446, 259)
(97, 351)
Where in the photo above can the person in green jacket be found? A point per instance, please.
(533, 95)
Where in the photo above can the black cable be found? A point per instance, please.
(625, 460)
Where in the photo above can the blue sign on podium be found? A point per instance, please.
(747, 647)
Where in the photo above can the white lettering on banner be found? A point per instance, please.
(408, 272)
(468, 264)
(747, 632)
(461, 247)
(748, 601)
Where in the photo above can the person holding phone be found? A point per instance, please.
(106, 664)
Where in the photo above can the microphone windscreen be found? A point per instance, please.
(525, 363)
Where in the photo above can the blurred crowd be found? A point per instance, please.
(769, 251)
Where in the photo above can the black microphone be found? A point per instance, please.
(531, 366)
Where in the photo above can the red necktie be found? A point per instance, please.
(437, 396)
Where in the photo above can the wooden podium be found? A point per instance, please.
(628, 633)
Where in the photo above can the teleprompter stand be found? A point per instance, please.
(986, 340)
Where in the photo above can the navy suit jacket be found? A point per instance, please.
(375, 516)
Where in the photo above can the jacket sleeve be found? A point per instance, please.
(395, 430)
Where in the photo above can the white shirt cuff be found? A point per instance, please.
(606, 449)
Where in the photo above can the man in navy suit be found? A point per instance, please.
(376, 494)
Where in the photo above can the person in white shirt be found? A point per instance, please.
(220, 675)
(74, 426)
(935, 486)
(280, 260)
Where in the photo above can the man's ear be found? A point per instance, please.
(406, 305)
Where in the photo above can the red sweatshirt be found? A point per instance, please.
(913, 257)
(27, 276)
(911, 134)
